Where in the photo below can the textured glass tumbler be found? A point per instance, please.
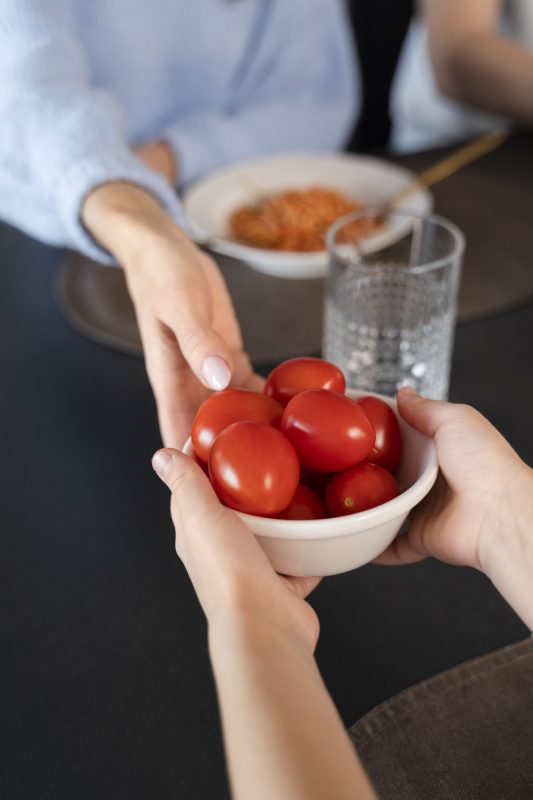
(390, 302)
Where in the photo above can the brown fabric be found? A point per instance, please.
(490, 200)
(466, 734)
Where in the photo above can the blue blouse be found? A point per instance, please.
(220, 80)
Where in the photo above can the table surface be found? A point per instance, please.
(106, 690)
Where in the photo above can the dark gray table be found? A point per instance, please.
(105, 686)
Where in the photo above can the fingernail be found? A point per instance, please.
(161, 463)
(216, 373)
(408, 390)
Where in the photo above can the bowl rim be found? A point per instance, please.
(218, 241)
(336, 527)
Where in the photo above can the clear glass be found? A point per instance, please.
(390, 302)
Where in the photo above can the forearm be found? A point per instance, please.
(507, 552)
(493, 73)
(69, 133)
(282, 733)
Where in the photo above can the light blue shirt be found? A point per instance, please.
(81, 81)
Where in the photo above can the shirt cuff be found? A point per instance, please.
(86, 175)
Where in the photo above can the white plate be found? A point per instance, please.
(210, 202)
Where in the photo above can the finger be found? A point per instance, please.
(400, 551)
(255, 383)
(188, 483)
(427, 416)
(202, 346)
(243, 375)
(177, 404)
(177, 391)
(218, 550)
(424, 414)
(205, 525)
(422, 536)
(196, 512)
(208, 310)
(224, 317)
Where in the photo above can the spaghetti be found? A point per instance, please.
(295, 220)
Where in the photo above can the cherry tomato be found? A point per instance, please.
(328, 430)
(200, 463)
(305, 504)
(298, 374)
(254, 468)
(359, 488)
(387, 450)
(223, 409)
(317, 481)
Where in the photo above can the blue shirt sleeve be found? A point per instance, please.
(60, 137)
(300, 92)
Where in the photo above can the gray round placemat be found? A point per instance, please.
(491, 201)
(279, 318)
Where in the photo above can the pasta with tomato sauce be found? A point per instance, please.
(296, 220)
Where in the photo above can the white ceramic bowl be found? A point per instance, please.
(209, 202)
(330, 546)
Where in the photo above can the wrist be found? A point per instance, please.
(160, 156)
(256, 634)
(123, 218)
(506, 552)
(508, 533)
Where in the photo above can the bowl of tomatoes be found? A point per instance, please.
(325, 477)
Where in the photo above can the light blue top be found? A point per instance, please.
(220, 80)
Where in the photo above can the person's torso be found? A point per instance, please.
(169, 58)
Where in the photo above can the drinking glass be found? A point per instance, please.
(390, 301)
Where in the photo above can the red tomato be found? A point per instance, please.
(200, 463)
(254, 468)
(223, 409)
(317, 481)
(298, 374)
(387, 450)
(305, 504)
(358, 488)
(328, 430)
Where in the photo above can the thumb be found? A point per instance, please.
(211, 540)
(423, 414)
(203, 348)
(192, 493)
